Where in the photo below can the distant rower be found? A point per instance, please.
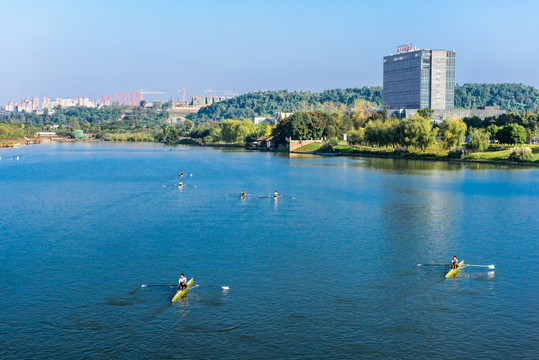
(454, 262)
(180, 184)
(181, 174)
(182, 282)
(243, 194)
(275, 194)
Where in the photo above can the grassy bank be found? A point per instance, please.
(495, 153)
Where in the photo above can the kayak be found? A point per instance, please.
(181, 293)
(454, 272)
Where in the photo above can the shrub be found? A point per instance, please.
(207, 139)
(521, 154)
(457, 153)
(328, 146)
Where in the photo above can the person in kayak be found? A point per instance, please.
(181, 173)
(454, 262)
(182, 282)
(180, 184)
(243, 194)
(275, 194)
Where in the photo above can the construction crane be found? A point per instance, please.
(142, 92)
(228, 92)
(183, 94)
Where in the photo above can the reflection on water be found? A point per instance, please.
(412, 166)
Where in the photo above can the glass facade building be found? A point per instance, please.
(417, 79)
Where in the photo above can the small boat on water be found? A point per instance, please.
(182, 293)
(454, 272)
(329, 154)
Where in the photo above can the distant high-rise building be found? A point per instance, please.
(416, 78)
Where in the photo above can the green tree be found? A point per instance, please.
(346, 124)
(492, 130)
(186, 127)
(229, 130)
(330, 131)
(452, 133)
(171, 135)
(355, 137)
(75, 125)
(245, 128)
(373, 133)
(423, 134)
(479, 140)
(511, 134)
(425, 113)
(215, 133)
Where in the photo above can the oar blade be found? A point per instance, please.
(433, 264)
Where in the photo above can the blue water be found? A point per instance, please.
(328, 271)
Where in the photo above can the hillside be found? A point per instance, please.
(510, 97)
(263, 103)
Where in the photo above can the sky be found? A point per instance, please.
(93, 48)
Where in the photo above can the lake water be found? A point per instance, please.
(327, 271)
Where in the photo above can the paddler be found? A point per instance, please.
(243, 194)
(180, 184)
(275, 194)
(454, 262)
(181, 174)
(182, 282)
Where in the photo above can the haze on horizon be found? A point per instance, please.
(65, 49)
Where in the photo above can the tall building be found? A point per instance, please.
(416, 78)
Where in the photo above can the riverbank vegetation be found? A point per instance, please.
(329, 115)
(452, 139)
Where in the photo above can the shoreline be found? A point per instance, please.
(23, 142)
(428, 158)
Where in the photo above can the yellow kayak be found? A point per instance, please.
(454, 272)
(181, 293)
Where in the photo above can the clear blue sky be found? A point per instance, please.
(93, 48)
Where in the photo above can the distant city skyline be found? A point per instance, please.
(64, 49)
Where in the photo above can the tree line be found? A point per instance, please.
(267, 103)
(510, 97)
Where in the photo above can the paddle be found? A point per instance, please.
(176, 185)
(196, 285)
(433, 264)
(213, 286)
(290, 197)
(463, 265)
(487, 266)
